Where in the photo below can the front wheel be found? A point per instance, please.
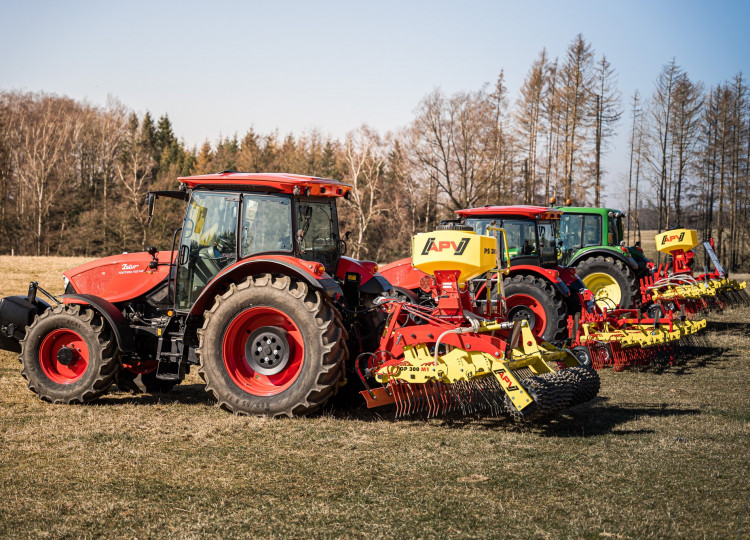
(270, 346)
(69, 355)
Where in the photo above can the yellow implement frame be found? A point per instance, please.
(419, 366)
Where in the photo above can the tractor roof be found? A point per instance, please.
(276, 182)
(589, 210)
(529, 212)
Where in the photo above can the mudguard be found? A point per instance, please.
(376, 285)
(267, 265)
(402, 274)
(553, 276)
(118, 323)
(616, 253)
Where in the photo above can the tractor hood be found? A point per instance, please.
(120, 277)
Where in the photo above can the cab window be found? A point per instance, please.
(592, 230)
(266, 224)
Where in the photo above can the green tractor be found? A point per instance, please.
(592, 242)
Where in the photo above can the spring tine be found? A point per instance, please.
(443, 398)
(431, 413)
(428, 392)
(472, 397)
(408, 395)
(396, 396)
(423, 399)
(437, 397)
(402, 399)
(450, 403)
(416, 390)
(436, 388)
(456, 388)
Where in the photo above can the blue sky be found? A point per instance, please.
(219, 67)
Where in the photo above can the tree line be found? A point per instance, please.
(73, 176)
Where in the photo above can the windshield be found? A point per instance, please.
(317, 223)
(522, 237)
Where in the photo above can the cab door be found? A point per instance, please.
(208, 245)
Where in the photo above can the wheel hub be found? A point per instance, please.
(523, 314)
(267, 350)
(65, 355)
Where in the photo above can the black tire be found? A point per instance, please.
(583, 355)
(619, 272)
(142, 383)
(554, 327)
(48, 362)
(321, 357)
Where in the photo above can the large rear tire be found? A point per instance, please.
(613, 284)
(69, 355)
(537, 301)
(270, 346)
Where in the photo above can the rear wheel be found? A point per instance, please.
(270, 346)
(69, 355)
(537, 301)
(613, 284)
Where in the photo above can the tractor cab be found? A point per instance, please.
(532, 231)
(231, 217)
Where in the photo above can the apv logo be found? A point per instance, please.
(431, 245)
(672, 238)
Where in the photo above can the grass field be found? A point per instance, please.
(657, 454)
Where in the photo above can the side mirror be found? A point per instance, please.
(150, 198)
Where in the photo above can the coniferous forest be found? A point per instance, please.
(73, 176)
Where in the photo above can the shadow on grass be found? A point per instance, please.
(189, 394)
(723, 326)
(593, 419)
(587, 420)
(686, 360)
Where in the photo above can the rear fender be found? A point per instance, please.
(370, 281)
(16, 313)
(605, 252)
(266, 265)
(402, 274)
(553, 276)
(118, 323)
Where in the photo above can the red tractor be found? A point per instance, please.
(256, 292)
(537, 288)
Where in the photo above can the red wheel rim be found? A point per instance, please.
(63, 356)
(235, 345)
(521, 306)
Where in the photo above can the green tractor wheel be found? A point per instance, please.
(611, 282)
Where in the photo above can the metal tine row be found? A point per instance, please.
(437, 398)
(613, 354)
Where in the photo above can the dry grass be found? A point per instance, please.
(658, 454)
